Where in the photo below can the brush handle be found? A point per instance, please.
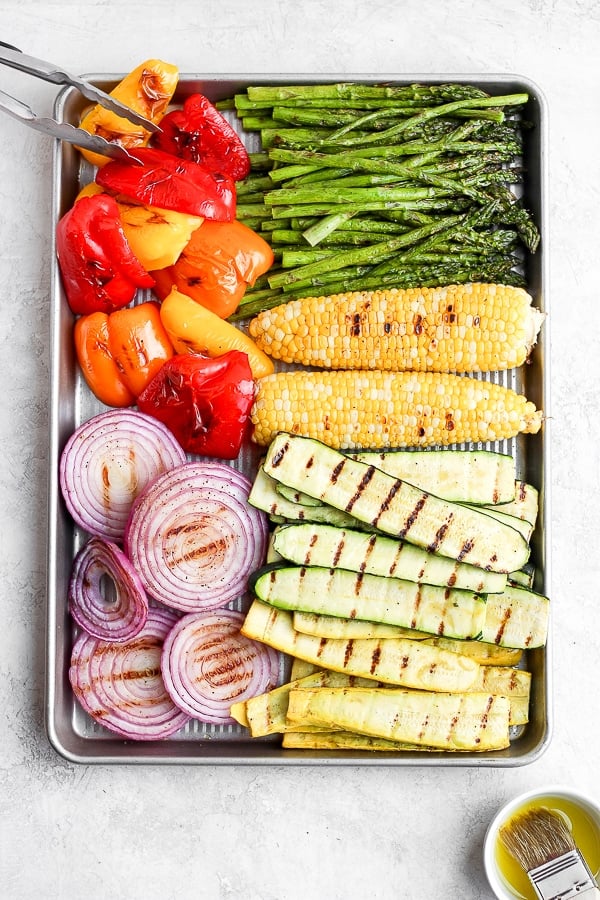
(592, 893)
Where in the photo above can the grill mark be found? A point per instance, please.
(440, 535)
(416, 605)
(322, 646)
(503, 624)
(369, 472)
(441, 626)
(348, 652)
(483, 722)
(335, 474)
(453, 723)
(522, 491)
(277, 458)
(355, 327)
(465, 550)
(308, 555)
(375, 658)
(413, 516)
(424, 725)
(358, 582)
(370, 547)
(396, 560)
(338, 551)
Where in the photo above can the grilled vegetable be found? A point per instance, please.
(456, 328)
(480, 651)
(476, 721)
(391, 601)
(477, 477)
(343, 740)
(519, 524)
(119, 353)
(159, 179)
(266, 713)
(516, 618)
(204, 402)
(266, 496)
(215, 267)
(200, 133)
(148, 90)
(375, 554)
(339, 628)
(395, 507)
(505, 681)
(194, 329)
(98, 269)
(393, 661)
(525, 504)
(373, 410)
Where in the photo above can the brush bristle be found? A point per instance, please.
(535, 837)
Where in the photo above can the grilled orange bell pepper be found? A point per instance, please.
(147, 90)
(219, 262)
(121, 352)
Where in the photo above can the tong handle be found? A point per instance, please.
(39, 68)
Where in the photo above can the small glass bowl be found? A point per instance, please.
(589, 807)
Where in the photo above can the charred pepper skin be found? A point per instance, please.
(119, 353)
(168, 182)
(216, 266)
(99, 271)
(199, 132)
(205, 402)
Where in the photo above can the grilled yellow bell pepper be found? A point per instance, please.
(156, 236)
(148, 90)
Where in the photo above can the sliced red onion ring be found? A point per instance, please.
(208, 664)
(121, 685)
(107, 461)
(193, 537)
(106, 596)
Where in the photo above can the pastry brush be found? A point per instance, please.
(544, 847)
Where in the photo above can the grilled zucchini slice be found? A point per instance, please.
(310, 544)
(391, 601)
(460, 721)
(394, 506)
(391, 660)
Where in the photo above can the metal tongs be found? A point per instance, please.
(13, 57)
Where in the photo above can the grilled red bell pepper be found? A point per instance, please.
(199, 132)
(98, 268)
(163, 180)
(205, 402)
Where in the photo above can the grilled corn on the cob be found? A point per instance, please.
(457, 328)
(374, 410)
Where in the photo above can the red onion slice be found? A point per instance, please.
(193, 537)
(106, 596)
(108, 461)
(121, 685)
(208, 664)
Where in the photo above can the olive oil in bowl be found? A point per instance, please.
(582, 817)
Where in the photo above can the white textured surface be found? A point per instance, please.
(273, 833)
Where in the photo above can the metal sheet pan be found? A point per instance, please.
(70, 731)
